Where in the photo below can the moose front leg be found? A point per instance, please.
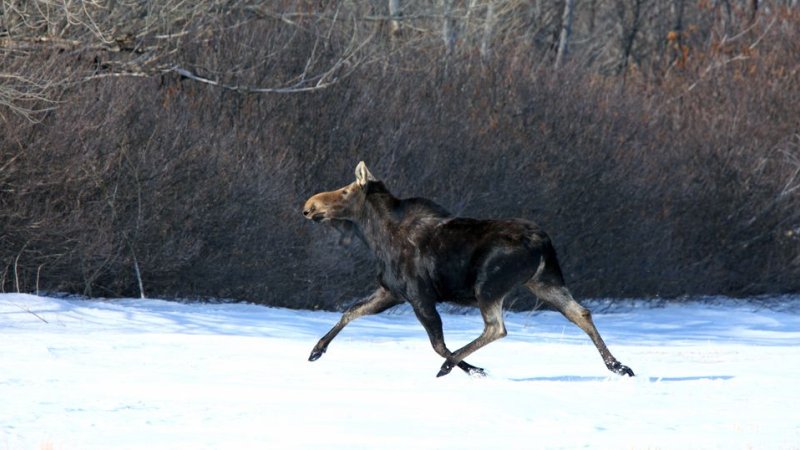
(432, 321)
(378, 302)
(494, 329)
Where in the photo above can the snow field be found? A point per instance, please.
(136, 374)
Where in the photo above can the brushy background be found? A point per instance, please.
(662, 154)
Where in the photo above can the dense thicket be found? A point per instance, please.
(662, 154)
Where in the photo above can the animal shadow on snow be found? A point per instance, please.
(579, 379)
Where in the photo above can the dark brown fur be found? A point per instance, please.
(426, 256)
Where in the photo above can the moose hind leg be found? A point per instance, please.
(469, 369)
(379, 301)
(560, 298)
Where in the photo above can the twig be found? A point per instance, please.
(323, 80)
(136, 268)
(27, 310)
(38, 273)
(716, 66)
(248, 89)
(16, 271)
(757, 41)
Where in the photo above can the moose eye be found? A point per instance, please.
(345, 192)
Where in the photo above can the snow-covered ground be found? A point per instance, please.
(149, 374)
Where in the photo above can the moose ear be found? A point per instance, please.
(363, 175)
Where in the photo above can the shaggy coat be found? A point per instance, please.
(425, 256)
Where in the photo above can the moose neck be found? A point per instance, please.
(377, 221)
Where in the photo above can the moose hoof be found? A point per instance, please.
(471, 370)
(620, 369)
(476, 372)
(446, 368)
(316, 353)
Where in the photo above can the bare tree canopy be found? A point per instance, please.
(130, 38)
(145, 39)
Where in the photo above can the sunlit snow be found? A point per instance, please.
(150, 374)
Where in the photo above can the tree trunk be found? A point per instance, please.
(488, 28)
(629, 36)
(675, 36)
(394, 14)
(566, 31)
(753, 10)
(449, 34)
(727, 19)
(677, 14)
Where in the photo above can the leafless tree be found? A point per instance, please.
(566, 32)
(134, 39)
(630, 19)
(488, 30)
(395, 14)
(449, 26)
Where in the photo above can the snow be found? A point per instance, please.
(134, 374)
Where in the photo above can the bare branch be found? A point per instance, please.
(129, 39)
(24, 96)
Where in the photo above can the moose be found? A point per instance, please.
(425, 256)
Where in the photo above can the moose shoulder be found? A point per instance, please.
(426, 256)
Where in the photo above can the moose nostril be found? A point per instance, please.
(307, 212)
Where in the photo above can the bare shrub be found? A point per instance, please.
(677, 174)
